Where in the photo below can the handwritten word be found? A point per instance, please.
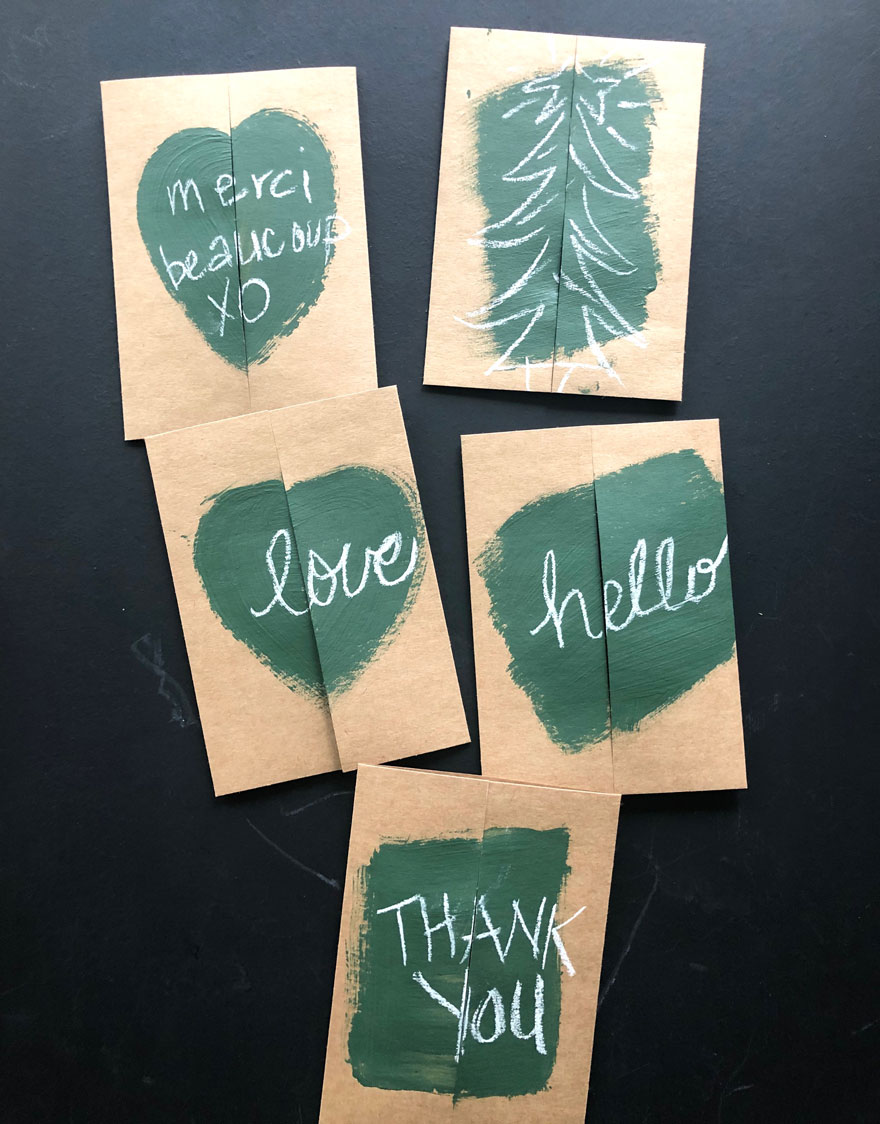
(243, 249)
(318, 571)
(224, 257)
(472, 1021)
(226, 183)
(664, 561)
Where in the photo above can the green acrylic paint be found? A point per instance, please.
(609, 254)
(622, 621)
(241, 228)
(675, 507)
(363, 549)
(520, 176)
(561, 160)
(567, 683)
(230, 555)
(317, 581)
(518, 1001)
(458, 968)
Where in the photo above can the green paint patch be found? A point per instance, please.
(241, 228)
(561, 162)
(613, 599)
(669, 610)
(459, 964)
(317, 580)
(565, 676)
(521, 134)
(609, 255)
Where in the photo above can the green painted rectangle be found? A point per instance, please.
(456, 944)
(570, 241)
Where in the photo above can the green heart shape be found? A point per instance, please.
(653, 659)
(245, 259)
(317, 604)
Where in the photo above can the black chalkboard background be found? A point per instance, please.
(162, 960)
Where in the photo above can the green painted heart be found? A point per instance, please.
(614, 598)
(315, 580)
(241, 228)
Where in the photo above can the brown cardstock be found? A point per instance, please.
(257, 730)
(403, 804)
(482, 60)
(170, 377)
(696, 742)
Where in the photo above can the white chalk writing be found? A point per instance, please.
(323, 581)
(613, 591)
(490, 1019)
(244, 248)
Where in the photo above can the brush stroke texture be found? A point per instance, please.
(569, 241)
(582, 683)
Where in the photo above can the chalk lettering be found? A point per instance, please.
(613, 591)
(497, 1011)
(266, 297)
(183, 191)
(322, 580)
(252, 246)
(221, 308)
(273, 186)
(258, 182)
(223, 258)
(265, 244)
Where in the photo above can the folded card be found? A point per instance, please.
(469, 950)
(603, 625)
(564, 209)
(239, 243)
(306, 588)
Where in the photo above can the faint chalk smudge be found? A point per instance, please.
(148, 651)
(296, 862)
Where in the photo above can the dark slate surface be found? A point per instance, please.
(160, 961)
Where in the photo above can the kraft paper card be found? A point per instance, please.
(306, 588)
(469, 951)
(603, 624)
(564, 212)
(239, 243)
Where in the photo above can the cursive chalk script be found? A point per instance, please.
(613, 591)
(322, 581)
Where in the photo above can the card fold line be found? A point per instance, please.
(303, 574)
